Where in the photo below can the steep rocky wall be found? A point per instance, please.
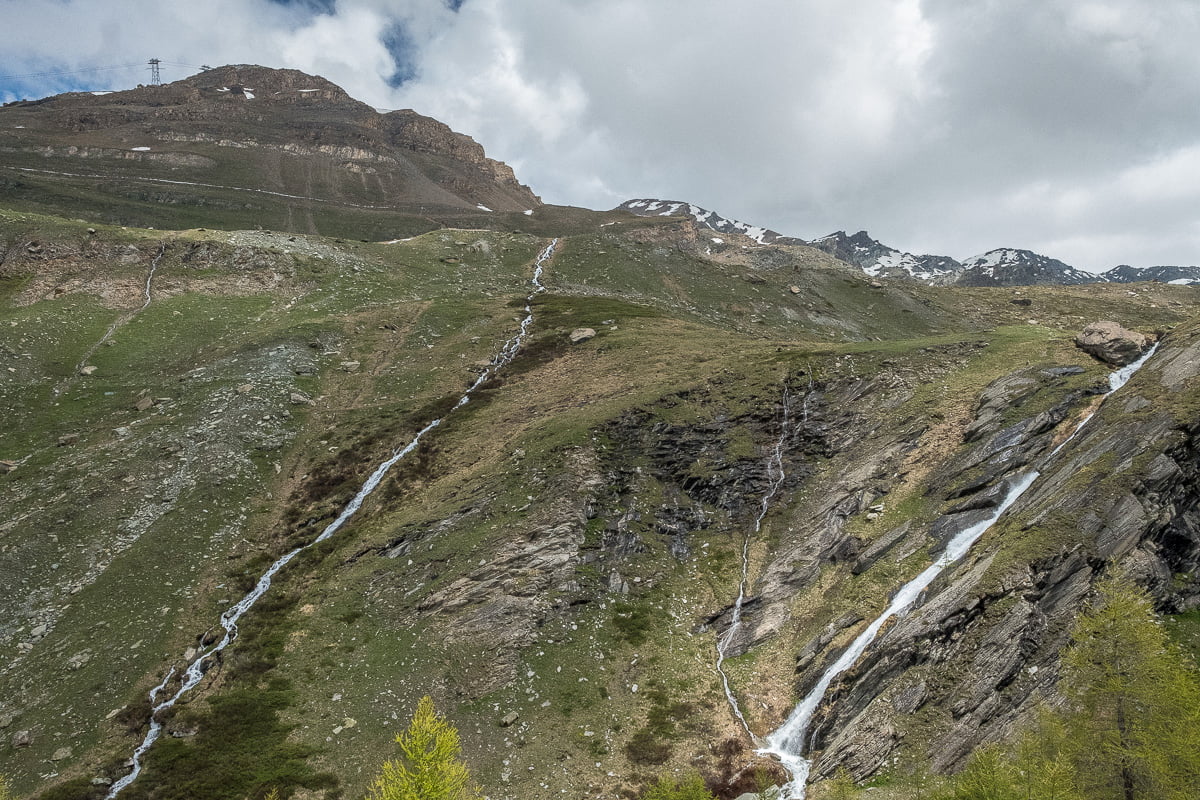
(978, 656)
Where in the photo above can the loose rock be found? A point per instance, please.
(1112, 343)
(582, 335)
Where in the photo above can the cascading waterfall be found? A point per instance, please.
(775, 478)
(787, 743)
(194, 672)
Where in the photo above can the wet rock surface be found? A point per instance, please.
(1000, 629)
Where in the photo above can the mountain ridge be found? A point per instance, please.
(1001, 266)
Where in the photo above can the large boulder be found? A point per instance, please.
(1112, 343)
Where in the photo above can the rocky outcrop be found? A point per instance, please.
(982, 651)
(1112, 343)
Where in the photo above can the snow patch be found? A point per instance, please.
(140, 149)
(99, 94)
(528, 212)
(482, 207)
(249, 94)
(718, 240)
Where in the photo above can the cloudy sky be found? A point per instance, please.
(1070, 127)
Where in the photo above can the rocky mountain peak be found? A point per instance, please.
(246, 128)
(263, 83)
(649, 207)
(1010, 267)
(879, 260)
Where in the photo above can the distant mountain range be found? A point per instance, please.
(1003, 266)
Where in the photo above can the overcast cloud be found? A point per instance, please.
(1070, 127)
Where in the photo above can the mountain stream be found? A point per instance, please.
(194, 671)
(787, 743)
(775, 478)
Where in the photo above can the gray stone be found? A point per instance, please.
(509, 719)
(582, 335)
(1062, 372)
(61, 753)
(1112, 343)
(22, 739)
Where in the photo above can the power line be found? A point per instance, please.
(62, 72)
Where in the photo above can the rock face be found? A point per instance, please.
(991, 630)
(1112, 343)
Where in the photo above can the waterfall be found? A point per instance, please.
(775, 476)
(787, 743)
(194, 672)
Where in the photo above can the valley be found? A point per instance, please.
(673, 447)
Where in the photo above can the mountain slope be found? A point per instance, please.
(245, 146)
(556, 560)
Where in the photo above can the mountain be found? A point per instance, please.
(880, 261)
(551, 469)
(999, 267)
(1127, 274)
(247, 146)
(708, 219)
(1008, 267)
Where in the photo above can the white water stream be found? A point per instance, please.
(775, 478)
(194, 672)
(787, 743)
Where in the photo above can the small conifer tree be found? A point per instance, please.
(690, 787)
(428, 767)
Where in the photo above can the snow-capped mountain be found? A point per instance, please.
(647, 207)
(1011, 267)
(1005, 266)
(1124, 273)
(879, 260)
